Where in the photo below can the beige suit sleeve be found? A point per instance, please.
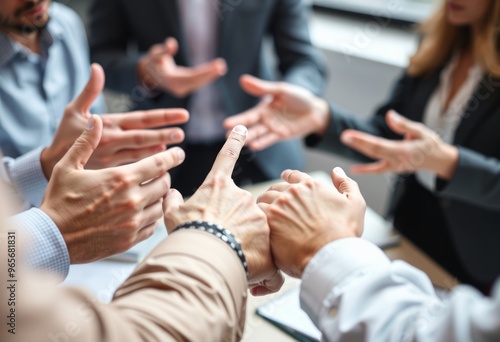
(192, 287)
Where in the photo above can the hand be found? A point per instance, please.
(421, 148)
(220, 201)
(125, 137)
(104, 212)
(304, 216)
(158, 70)
(285, 111)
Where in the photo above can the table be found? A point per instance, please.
(103, 277)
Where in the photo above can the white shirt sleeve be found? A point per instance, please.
(352, 292)
(26, 176)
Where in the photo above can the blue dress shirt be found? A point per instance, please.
(48, 250)
(36, 88)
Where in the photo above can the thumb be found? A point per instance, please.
(78, 155)
(92, 90)
(257, 87)
(171, 203)
(345, 185)
(171, 46)
(402, 125)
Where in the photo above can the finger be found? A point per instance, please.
(149, 118)
(78, 155)
(171, 204)
(92, 90)
(247, 118)
(155, 166)
(255, 132)
(264, 141)
(369, 145)
(257, 87)
(171, 46)
(203, 74)
(129, 156)
(294, 176)
(146, 232)
(142, 138)
(156, 189)
(344, 184)
(152, 213)
(281, 187)
(402, 125)
(264, 207)
(268, 197)
(269, 286)
(377, 167)
(230, 152)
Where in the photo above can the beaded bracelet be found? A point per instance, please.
(222, 233)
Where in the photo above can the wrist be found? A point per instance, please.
(322, 113)
(144, 77)
(48, 159)
(220, 232)
(446, 164)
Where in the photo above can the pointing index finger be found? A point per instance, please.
(228, 155)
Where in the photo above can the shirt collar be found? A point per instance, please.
(52, 33)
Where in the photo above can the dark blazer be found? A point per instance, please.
(118, 25)
(467, 207)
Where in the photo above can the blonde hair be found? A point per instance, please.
(441, 38)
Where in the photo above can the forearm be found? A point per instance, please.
(375, 300)
(300, 62)
(191, 288)
(327, 138)
(475, 180)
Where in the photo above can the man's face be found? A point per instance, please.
(24, 16)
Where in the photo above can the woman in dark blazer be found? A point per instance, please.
(445, 147)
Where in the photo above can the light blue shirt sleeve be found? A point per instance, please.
(26, 176)
(46, 250)
(352, 292)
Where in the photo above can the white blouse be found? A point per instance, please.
(445, 122)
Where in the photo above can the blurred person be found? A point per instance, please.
(350, 289)
(444, 148)
(44, 64)
(125, 139)
(191, 53)
(191, 274)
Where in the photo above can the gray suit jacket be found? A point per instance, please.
(119, 24)
(470, 202)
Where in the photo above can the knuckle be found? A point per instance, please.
(133, 203)
(310, 183)
(139, 139)
(220, 181)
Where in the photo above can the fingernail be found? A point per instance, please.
(181, 154)
(394, 116)
(346, 139)
(176, 136)
(90, 123)
(339, 172)
(240, 129)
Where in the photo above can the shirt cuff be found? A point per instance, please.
(333, 266)
(26, 175)
(47, 249)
